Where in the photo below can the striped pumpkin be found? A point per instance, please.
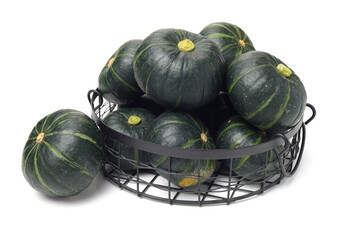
(235, 132)
(116, 80)
(181, 130)
(231, 39)
(265, 92)
(63, 153)
(179, 69)
(132, 122)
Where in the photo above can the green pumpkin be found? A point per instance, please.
(63, 154)
(181, 130)
(231, 39)
(132, 122)
(265, 92)
(179, 69)
(116, 80)
(235, 132)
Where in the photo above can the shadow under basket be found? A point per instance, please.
(224, 186)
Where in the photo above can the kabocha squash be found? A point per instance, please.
(63, 154)
(231, 39)
(179, 69)
(235, 133)
(116, 80)
(146, 103)
(181, 130)
(132, 122)
(265, 92)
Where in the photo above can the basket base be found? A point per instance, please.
(217, 190)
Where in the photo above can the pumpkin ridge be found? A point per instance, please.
(123, 81)
(66, 120)
(147, 81)
(219, 35)
(173, 122)
(196, 123)
(65, 159)
(228, 46)
(189, 143)
(244, 159)
(235, 81)
(180, 35)
(280, 112)
(58, 118)
(80, 135)
(38, 175)
(238, 52)
(236, 143)
(225, 27)
(229, 127)
(45, 121)
(143, 50)
(25, 160)
(236, 28)
(262, 106)
(36, 130)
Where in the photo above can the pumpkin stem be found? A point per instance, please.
(134, 120)
(242, 43)
(40, 137)
(204, 137)
(110, 62)
(284, 70)
(188, 182)
(262, 132)
(186, 45)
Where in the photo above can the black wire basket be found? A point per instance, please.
(223, 187)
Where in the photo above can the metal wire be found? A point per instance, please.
(223, 187)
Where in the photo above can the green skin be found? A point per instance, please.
(146, 103)
(116, 80)
(227, 36)
(262, 95)
(118, 120)
(69, 156)
(235, 132)
(167, 74)
(177, 129)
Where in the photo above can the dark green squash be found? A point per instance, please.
(144, 102)
(265, 92)
(179, 69)
(231, 39)
(116, 80)
(236, 133)
(63, 154)
(132, 122)
(181, 130)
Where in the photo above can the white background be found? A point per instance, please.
(51, 54)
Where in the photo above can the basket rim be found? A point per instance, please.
(198, 154)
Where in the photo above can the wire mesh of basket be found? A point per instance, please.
(223, 187)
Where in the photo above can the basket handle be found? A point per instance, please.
(313, 113)
(92, 95)
(286, 147)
